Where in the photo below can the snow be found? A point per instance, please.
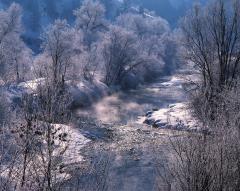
(32, 84)
(148, 15)
(73, 144)
(176, 116)
(174, 81)
(83, 93)
(75, 141)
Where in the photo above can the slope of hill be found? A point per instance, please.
(40, 13)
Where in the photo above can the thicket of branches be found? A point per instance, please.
(211, 37)
(209, 159)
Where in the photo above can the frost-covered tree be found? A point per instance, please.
(90, 18)
(39, 141)
(121, 55)
(49, 106)
(15, 57)
(58, 49)
(144, 25)
(90, 23)
(156, 38)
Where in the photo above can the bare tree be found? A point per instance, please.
(58, 43)
(211, 38)
(205, 162)
(209, 159)
(53, 99)
(120, 50)
(39, 143)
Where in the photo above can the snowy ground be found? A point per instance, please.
(75, 141)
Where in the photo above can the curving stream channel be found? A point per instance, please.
(124, 152)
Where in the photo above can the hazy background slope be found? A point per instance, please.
(171, 10)
(39, 13)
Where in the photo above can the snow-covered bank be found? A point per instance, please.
(66, 154)
(175, 116)
(83, 93)
(74, 142)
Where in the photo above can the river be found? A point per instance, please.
(124, 153)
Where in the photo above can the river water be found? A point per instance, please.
(129, 159)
